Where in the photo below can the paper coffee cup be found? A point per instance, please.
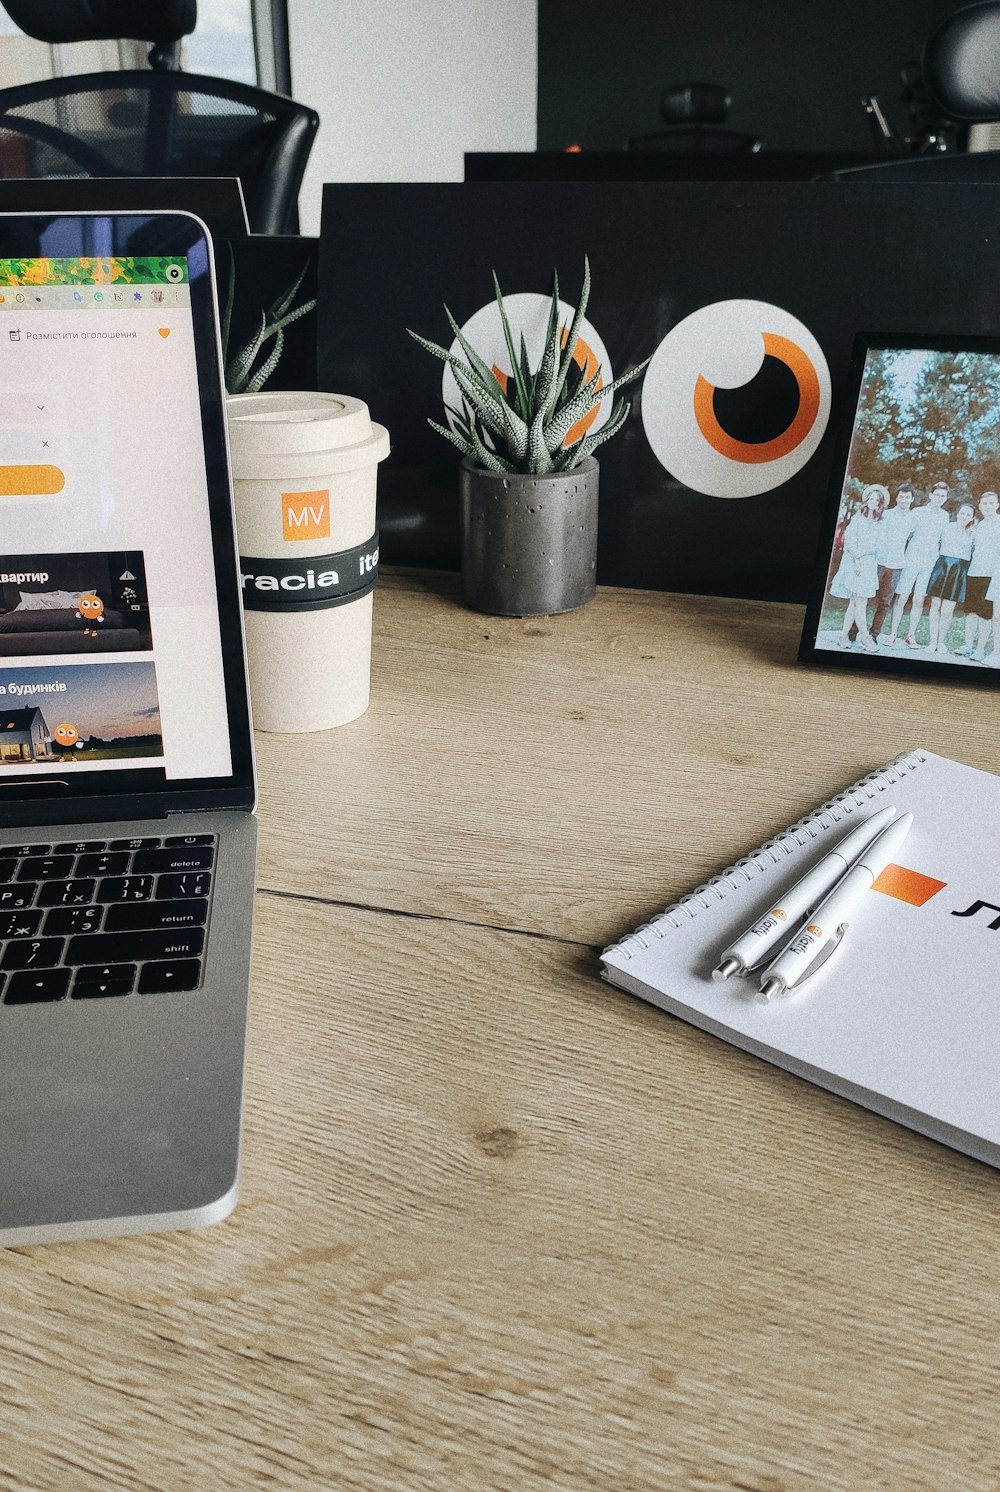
(304, 479)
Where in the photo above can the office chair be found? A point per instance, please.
(960, 68)
(695, 115)
(163, 122)
(961, 64)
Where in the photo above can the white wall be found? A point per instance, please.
(404, 87)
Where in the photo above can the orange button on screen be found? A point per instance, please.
(30, 481)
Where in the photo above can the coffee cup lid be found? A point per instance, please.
(268, 430)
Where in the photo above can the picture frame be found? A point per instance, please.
(915, 476)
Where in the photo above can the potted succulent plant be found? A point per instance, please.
(529, 480)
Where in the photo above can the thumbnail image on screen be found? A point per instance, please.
(78, 713)
(73, 603)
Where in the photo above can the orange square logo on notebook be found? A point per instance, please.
(305, 515)
(907, 885)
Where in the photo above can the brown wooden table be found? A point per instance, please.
(503, 1227)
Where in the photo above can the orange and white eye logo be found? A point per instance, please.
(736, 398)
(528, 315)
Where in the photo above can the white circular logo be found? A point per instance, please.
(736, 398)
(528, 315)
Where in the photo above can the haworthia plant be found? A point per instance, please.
(522, 426)
(244, 372)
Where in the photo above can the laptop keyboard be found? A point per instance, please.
(94, 919)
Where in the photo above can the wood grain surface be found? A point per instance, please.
(502, 1226)
(570, 775)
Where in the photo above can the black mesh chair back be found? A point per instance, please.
(138, 123)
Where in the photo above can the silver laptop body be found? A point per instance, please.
(127, 835)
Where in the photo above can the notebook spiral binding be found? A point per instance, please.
(827, 816)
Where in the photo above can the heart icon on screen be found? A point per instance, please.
(164, 331)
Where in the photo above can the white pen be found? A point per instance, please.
(752, 947)
(828, 924)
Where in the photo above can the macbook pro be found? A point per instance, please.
(127, 836)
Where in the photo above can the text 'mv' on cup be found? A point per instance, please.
(304, 479)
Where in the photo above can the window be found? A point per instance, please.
(222, 42)
(221, 45)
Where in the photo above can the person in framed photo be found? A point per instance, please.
(856, 580)
(993, 596)
(985, 563)
(946, 588)
(895, 534)
(929, 523)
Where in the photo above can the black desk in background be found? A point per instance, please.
(661, 165)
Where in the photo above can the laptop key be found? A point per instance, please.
(126, 888)
(45, 868)
(20, 850)
(128, 947)
(105, 863)
(180, 857)
(174, 839)
(159, 978)
(19, 924)
(127, 915)
(78, 846)
(96, 982)
(32, 953)
(28, 987)
(7, 869)
(183, 887)
(17, 897)
(65, 921)
(65, 893)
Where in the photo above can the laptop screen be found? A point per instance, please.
(111, 620)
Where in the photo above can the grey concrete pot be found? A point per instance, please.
(529, 543)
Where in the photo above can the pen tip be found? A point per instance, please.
(726, 968)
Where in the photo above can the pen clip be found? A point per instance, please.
(822, 957)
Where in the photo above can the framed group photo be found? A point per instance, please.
(908, 572)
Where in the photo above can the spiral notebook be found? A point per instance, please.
(905, 1017)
